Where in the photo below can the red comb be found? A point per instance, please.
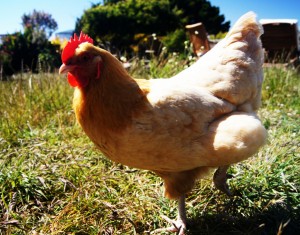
(72, 44)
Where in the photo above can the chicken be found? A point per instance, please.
(181, 127)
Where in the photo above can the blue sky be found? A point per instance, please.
(265, 9)
(65, 12)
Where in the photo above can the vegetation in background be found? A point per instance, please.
(41, 23)
(30, 50)
(117, 21)
(123, 27)
(54, 181)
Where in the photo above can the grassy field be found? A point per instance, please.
(54, 181)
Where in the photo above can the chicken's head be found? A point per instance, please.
(81, 60)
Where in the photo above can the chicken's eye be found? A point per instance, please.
(85, 57)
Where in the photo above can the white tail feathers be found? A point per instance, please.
(246, 23)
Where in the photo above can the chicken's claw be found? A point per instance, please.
(220, 180)
(178, 226)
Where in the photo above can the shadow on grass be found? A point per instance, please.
(277, 219)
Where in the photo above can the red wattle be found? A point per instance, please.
(76, 82)
(72, 80)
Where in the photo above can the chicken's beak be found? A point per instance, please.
(66, 68)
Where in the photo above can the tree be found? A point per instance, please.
(201, 11)
(119, 21)
(107, 2)
(25, 51)
(42, 24)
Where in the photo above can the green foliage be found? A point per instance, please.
(174, 41)
(31, 50)
(201, 11)
(53, 181)
(115, 23)
(219, 35)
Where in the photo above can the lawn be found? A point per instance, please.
(54, 181)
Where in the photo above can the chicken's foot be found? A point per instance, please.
(220, 180)
(178, 226)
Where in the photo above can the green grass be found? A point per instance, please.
(54, 181)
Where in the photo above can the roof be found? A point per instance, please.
(278, 21)
(66, 32)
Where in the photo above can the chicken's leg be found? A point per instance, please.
(178, 226)
(220, 179)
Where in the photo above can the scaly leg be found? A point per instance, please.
(178, 226)
(220, 180)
